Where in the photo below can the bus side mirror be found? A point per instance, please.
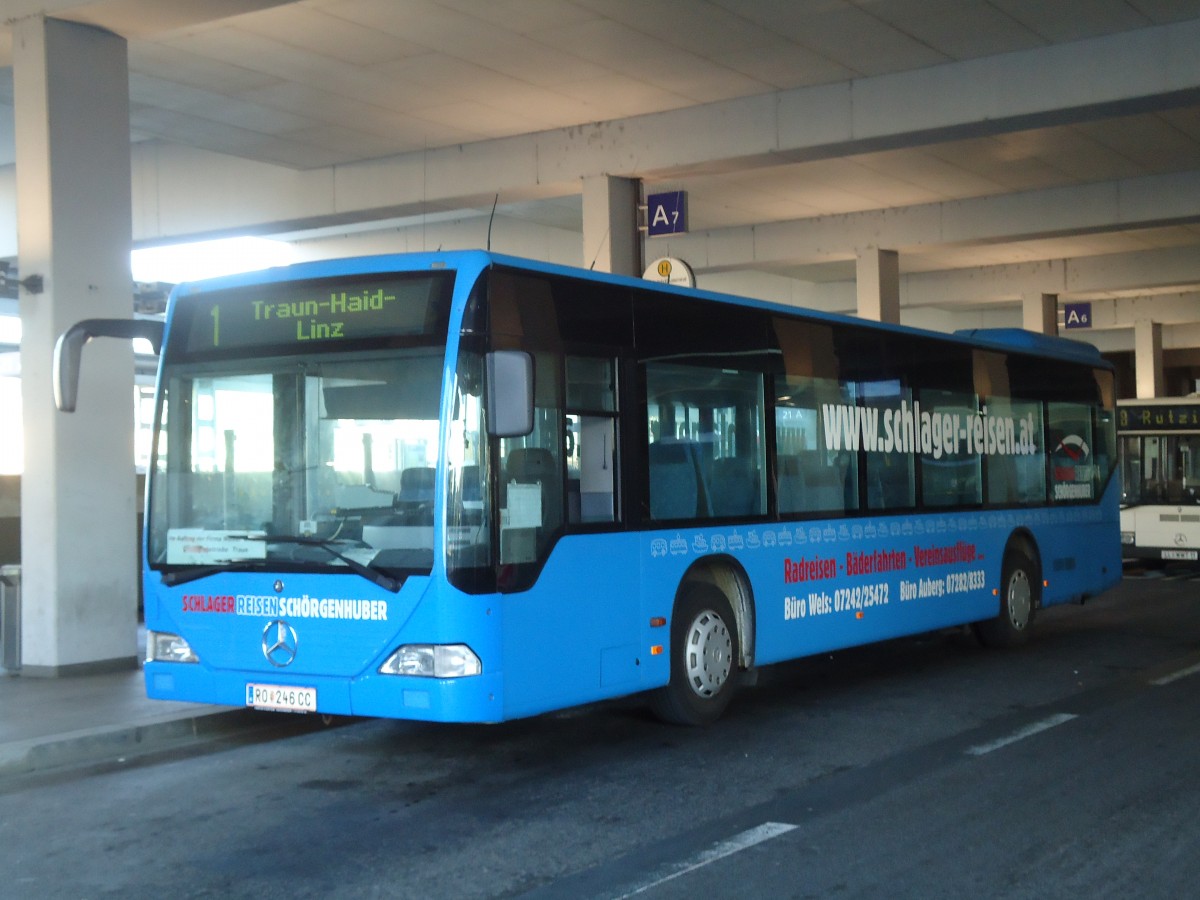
(509, 393)
(69, 349)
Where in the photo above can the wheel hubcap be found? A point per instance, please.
(709, 654)
(1020, 599)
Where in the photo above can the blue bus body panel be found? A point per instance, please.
(338, 646)
(586, 632)
(580, 633)
(341, 620)
(339, 657)
(825, 585)
(1032, 342)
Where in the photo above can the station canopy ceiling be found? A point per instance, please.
(316, 84)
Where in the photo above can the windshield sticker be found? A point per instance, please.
(198, 547)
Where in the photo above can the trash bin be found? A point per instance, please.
(10, 618)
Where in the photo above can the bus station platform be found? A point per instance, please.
(50, 723)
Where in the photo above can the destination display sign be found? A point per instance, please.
(1182, 416)
(298, 314)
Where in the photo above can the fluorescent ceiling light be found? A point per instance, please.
(188, 262)
(175, 263)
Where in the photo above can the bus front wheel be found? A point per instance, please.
(1018, 599)
(704, 658)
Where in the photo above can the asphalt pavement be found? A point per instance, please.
(49, 723)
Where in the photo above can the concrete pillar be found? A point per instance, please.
(1039, 313)
(611, 240)
(879, 285)
(1148, 358)
(78, 516)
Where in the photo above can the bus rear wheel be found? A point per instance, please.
(704, 658)
(1018, 600)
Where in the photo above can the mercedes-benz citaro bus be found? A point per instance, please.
(1159, 450)
(467, 487)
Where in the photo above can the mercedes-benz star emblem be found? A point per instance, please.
(279, 643)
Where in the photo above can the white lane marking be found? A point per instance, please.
(1027, 731)
(720, 850)
(1175, 676)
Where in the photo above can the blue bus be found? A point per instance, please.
(467, 487)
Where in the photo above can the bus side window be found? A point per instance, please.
(1072, 460)
(592, 465)
(950, 473)
(1016, 465)
(890, 471)
(531, 489)
(591, 440)
(707, 449)
(812, 471)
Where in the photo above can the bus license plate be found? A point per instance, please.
(1179, 554)
(281, 698)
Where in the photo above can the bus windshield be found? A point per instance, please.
(290, 459)
(1162, 468)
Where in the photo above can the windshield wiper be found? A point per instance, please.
(194, 573)
(372, 575)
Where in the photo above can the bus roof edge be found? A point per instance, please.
(1020, 339)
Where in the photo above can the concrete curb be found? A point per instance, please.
(112, 742)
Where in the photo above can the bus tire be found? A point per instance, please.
(1019, 583)
(704, 658)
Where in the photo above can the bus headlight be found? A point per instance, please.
(1127, 537)
(433, 661)
(164, 647)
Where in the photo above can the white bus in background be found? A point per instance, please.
(1159, 445)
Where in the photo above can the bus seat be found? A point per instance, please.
(791, 487)
(1002, 482)
(416, 485)
(674, 481)
(735, 487)
(530, 465)
(826, 490)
